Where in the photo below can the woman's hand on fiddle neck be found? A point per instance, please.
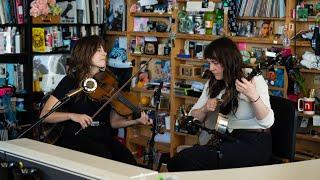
(144, 119)
(247, 88)
(83, 119)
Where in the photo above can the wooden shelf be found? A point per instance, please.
(261, 18)
(144, 14)
(253, 40)
(151, 56)
(302, 44)
(197, 37)
(315, 71)
(191, 78)
(191, 59)
(187, 97)
(309, 20)
(143, 141)
(185, 134)
(305, 115)
(116, 33)
(308, 137)
(140, 90)
(156, 34)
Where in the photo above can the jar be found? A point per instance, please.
(208, 22)
(198, 24)
(189, 24)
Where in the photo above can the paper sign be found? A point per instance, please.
(304, 123)
(316, 120)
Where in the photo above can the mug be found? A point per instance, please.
(308, 105)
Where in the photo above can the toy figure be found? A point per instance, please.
(143, 77)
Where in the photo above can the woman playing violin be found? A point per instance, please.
(88, 58)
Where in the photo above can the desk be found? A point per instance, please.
(92, 167)
(309, 170)
(57, 162)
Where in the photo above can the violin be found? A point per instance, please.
(124, 103)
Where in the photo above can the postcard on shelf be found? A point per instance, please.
(159, 71)
(52, 68)
(140, 24)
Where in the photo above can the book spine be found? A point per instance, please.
(19, 8)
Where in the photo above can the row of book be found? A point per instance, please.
(10, 40)
(263, 8)
(12, 74)
(59, 38)
(78, 11)
(12, 11)
(73, 11)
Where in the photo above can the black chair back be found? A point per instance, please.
(283, 131)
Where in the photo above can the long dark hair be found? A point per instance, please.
(226, 52)
(81, 55)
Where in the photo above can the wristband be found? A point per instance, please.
(256, 100)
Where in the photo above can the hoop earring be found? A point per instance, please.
(102, 69)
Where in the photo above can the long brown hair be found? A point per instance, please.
(226, 52)
(81, 55)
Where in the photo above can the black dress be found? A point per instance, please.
(95, 140)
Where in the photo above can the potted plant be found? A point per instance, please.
(299, 79)
(45, 11)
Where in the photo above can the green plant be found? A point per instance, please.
(299, 79)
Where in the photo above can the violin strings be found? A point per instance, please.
(128, 103)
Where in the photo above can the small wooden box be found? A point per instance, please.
(187, 70)
(49, 19)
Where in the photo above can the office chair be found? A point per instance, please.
(283, 131)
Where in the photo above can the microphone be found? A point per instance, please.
(88, 85)
(157, 95)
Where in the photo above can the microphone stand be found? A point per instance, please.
(220, 138)
(155, 128)
(62, 102)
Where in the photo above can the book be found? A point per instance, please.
(81, 12)
(38, 40)
(19, 11)
(69, 11)
(5, 42)
(116, 15)
(2, 15)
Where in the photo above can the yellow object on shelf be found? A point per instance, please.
(145, 100)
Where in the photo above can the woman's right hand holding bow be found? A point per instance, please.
(83, 119)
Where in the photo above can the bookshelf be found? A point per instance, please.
(178, 138)
(277, 22)
(307, 145)
(137, 137)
